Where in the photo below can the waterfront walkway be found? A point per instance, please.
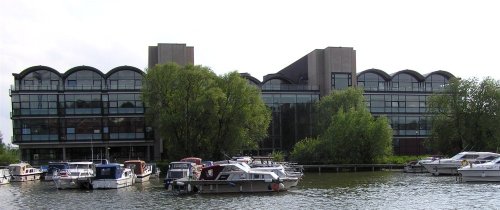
(351, 167)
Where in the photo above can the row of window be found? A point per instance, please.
(401, 82)
(113, 128)
(77, 104)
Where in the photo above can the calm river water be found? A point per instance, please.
(354, 190)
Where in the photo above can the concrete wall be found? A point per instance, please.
(164, 53)
(321, 63)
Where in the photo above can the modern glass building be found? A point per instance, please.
(401, 97)
(80, 114)
(84, 113)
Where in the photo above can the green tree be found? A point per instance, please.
(352, 136)
(8, 154)
(331, 104)
(197, 113)
(466, 116)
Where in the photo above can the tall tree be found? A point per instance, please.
(466, 116)
(198, 113)
(350, 133)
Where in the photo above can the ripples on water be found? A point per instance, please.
(358, 190)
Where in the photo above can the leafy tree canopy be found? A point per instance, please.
(466, 116)
(198, 113)
(348, 132)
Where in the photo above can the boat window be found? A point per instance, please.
(210, 173)
(489, 158)
(106, 171)
(179, 166)
(175, 174)
(223, 177)
(469, 157)
(256, 176)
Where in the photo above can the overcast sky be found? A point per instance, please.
(258, 37)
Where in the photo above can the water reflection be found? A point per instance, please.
(359, 190)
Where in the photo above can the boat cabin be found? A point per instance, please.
(139, 166)
(109, 171)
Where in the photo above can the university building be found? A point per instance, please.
(84, 113)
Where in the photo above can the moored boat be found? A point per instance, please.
(483, 172)
(53, 168)
(22, 172)
(113, 176)
(416, 165)
(142, 170)
(229, 178)
(178, 170)
(4, 176)
(76, 175)
(449, 166)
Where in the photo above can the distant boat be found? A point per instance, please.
(229, 178)
(4, 176)
(483, 172)
(142, 170)
(53, 168)
(77, 175)
(112, 176)
(22, 172)
(449, 166)
(178, 170)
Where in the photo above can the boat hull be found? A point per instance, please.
(442, 169)
(73, 182)
(243, 186)
(25, 178)
(143, 177)
(485, 175)
(112, 183)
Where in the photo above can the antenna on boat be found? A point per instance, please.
(92, 147)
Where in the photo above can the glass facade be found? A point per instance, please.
(402, 98)
(292, 114)
(341, 80)
(80, 108)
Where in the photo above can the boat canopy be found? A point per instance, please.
(108, 171)
(139, 166)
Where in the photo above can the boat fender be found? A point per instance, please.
(275, 187)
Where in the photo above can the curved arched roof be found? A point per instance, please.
(412, 73)
(379, 72)
(277, 76)
(251, 78)
(33, 69)
(121, 68)
(81, 68)
(445, 74)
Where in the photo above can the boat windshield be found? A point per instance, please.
(77, 166)
(175, 174)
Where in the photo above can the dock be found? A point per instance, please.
(351, 167)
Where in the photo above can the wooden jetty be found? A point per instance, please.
(352, 167)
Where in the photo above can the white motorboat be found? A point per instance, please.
(483, 172)
(178, 170)
(417, 167)
(142, 170)
(4, 176)
(113, 176)
(53, 168)
(449, 166)
(22, 172)
(229, 178)
(76, 175)
(288, 180)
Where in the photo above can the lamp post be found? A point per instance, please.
(418, 143)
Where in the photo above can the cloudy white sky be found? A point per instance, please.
(258, 37)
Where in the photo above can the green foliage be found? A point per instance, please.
(8, 155)
(331, 104)
(306, 151)
(278, 156)
(402, 159)
(351, 136)
(466, 116)
(198, 113)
